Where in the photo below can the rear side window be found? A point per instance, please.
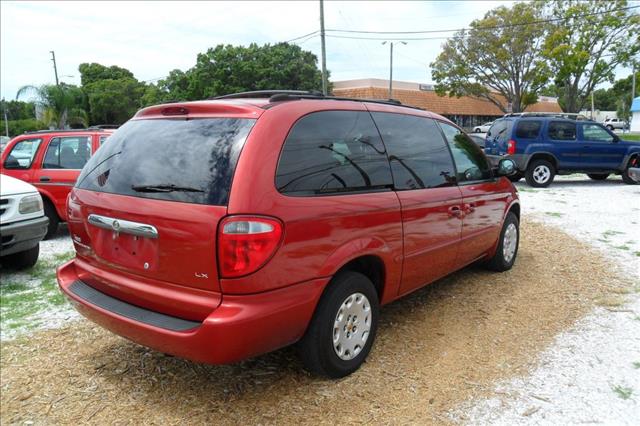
(418, 153)
(331, 152)
(526, 129)
(190, 161)
(500, 130)
(22, 154)
(562, 131)
(471, 164)
(593, 132)
(67, 153)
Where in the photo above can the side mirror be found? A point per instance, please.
(507, 167)
(616, 139)
(12, 163)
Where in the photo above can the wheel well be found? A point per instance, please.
(516, 210)
(370, 266)
(47, 200)
(550, 158)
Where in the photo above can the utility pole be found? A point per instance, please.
(633, 82)
(592, 104)
(391, 66)
(324, 51)
(6, 121)
(55, 67)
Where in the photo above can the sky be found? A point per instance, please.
(152, 38)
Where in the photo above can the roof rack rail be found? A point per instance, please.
(104, 126)
(567, 115)
(268, 94)
(88, 129)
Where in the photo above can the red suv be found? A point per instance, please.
(51, 161)
(220, 230)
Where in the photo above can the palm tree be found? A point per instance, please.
(61, 104)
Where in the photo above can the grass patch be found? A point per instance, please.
(630, 137)
(611, 232)
(623, 247)
(637, 253)
(636, 365)
(554, 214)
(23, 303)
(623, 391)
(610, 302)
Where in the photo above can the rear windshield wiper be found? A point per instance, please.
(164, 188)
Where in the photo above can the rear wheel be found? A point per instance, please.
(610, 127)
(516, 177)
(24, 259)
(54, 220)
(343, 327)
(476, 130)
(507, 250)
(598, 176)
(540, 173)
(634, 162)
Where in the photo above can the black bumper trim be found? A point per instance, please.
(111, 304)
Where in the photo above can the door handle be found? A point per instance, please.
(45, 179)
(454, 211)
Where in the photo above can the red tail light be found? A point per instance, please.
(246, 243)
(511, 147)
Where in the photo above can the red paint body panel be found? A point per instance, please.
(60, 182)
(416, 235)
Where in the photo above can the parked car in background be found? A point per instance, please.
(51, 160)
(544, 145)
(361, 202)
(614, 123)
(483, 128)
(22, 223)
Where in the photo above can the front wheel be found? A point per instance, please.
(610, 127)
(343, 328)
(599, 176)
(24, 259)
(507, 249)
(540, 173)
(634, 162)
(51, 213)
(476, 130)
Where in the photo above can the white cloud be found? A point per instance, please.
(152, 38)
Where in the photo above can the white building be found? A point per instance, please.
(635, 115)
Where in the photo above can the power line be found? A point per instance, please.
(303, 36)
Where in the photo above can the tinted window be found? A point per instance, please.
(500, 130)
(593, 132)
(562, 131)
(526, 129)
(67, 153)
(471, 164)
(190, 161)
(22, 153)
(418, 154)
(333, 151)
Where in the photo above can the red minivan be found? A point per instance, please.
(51, 161)
(220, 230)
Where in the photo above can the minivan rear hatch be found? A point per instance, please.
(149, 201)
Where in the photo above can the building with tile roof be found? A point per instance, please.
(465, 111)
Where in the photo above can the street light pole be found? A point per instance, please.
(391, 66)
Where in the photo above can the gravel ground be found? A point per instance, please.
(445, 344)
(591, 373)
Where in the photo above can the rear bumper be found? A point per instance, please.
(240, 327)
(23, 235)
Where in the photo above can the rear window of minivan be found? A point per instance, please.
(189, 161)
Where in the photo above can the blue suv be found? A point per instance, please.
(543, 145)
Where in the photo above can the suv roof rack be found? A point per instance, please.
(88, 129)
(294, 95)
(567, 115)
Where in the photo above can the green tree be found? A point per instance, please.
(90, 73)
(113, 101)
(18, 110)
(228, 69)
(585, 47)
(18, 127)
(494, 62)
(62, 104)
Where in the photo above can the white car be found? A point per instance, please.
(614, 123)
(484, 128)
(22, 223)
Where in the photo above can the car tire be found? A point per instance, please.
(540, 173)
(24, 259)
(507, 249)
(54, 220)
(634, 162)
(476, 130)
(516, 177)
(610, 127)
(598, 176)
(337, 342)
